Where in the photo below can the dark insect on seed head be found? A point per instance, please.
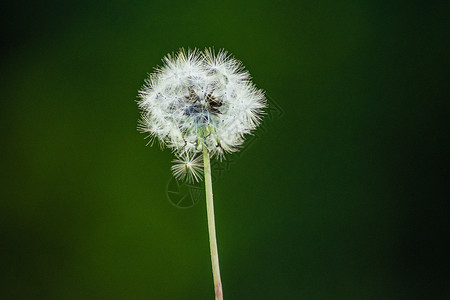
(213, 101)
(192, 97)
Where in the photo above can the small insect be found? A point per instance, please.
(214, 103)
(193, 97)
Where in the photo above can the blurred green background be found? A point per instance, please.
(344, 196)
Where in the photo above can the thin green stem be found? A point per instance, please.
(212, 226)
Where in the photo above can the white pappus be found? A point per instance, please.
(199, 99)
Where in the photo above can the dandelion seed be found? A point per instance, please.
(188, 167)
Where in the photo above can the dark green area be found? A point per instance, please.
(342, 197)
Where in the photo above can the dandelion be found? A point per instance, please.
(200, 102)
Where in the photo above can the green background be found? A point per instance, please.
(342, 195)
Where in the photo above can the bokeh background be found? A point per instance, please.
(343, 195)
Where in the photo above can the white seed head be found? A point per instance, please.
(200, 98)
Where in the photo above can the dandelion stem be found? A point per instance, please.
(212, 226)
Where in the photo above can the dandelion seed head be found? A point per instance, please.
(200, 98)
